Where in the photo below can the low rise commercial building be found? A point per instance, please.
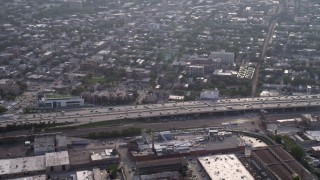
(56, 101)
(175, 98)
(95, 174)
(105, 157)
(209, 94)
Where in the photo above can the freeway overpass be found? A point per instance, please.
(178, 109)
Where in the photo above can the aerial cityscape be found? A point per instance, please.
(160, 89)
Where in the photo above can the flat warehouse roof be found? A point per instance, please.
(57, 158)
(18, 165)
(225, 166)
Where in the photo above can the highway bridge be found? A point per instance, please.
(169, 110)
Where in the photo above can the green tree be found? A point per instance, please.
(183, 171)
(113, 169)
(77, 91)
(131, 132)
(278, 139)
(298, 152)
(3, 109)
(114, 151)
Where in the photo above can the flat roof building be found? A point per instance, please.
(310, 120)
(56, 101)
(20, 166)
(57, 161)
(36, 177)
(225, 166)
(176, 98)
(209, 94)
(195, 70)
(279, 163)
(43, 144)
(226, 57)
(84, 175)
(104, 157)
(315, 150)
(160, 165)
(49, 143)
(314, 135)
(95, 174)
(50, 162)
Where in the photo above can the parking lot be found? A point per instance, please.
(197, 172)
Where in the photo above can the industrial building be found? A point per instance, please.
(105, 157)
(57, 161)
(226, 166)
(166, 149)
(279, 163)
(50, 162)
(43, 144)
(98, 157)
(160, 165)
(49, 143)
(54, 162)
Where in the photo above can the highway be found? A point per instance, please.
(87, 115)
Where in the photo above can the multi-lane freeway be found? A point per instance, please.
(87, 115)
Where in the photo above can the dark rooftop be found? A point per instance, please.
(281, 164)
(284, 155)
(281, 171)
(266, 156)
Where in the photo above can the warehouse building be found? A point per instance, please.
(57, 161)
(49, 143)
(226, 166)
(50, 162)
(279, 163)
